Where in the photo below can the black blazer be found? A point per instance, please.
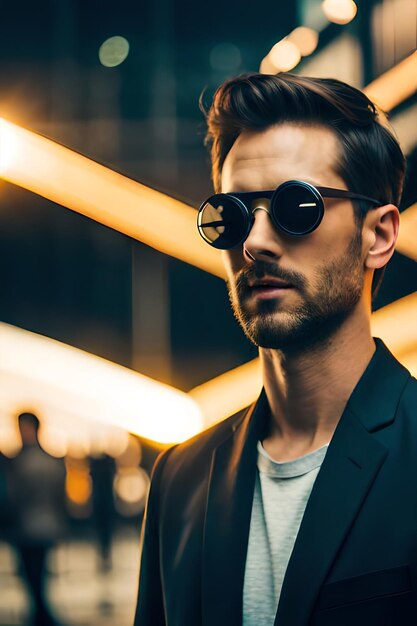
(354, 561)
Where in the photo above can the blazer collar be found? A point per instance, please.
(375, 398)
(227, 520)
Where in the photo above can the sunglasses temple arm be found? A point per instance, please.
(328, 192)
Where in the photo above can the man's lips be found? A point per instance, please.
(268, 282)
(268, 287)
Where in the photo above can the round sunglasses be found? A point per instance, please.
(296, 207)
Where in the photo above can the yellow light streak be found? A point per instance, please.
(407, 238)
(396, 325)
(395, 85)
(228, 393)
(78, 183)
(63, 384)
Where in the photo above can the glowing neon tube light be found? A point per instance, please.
(78, 183)
(56, 380)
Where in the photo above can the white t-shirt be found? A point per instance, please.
(279, 500)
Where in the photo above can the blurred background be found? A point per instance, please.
(120, 83)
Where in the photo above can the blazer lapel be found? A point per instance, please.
(352, 462)
(228, 513)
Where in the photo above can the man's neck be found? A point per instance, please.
(308, 391)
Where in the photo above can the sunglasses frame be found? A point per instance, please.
(244, 199)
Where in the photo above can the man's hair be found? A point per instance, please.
(29, 418)
(370, 160)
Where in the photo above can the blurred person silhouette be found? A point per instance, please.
(103, 470)
(37, 494)
(5, 520)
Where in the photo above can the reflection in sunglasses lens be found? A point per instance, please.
(297, 209)
(222, 222)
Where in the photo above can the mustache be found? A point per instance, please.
(262, 269)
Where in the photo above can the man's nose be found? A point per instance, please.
(263, 241)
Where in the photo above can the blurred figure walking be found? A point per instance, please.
(38, 507)
(103, 470)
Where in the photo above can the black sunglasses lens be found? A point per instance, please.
(297, 209)
(223, 221)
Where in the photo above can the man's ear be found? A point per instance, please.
(380, 232)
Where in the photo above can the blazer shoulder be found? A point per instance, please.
(203, 444)
(214, 435)
(410, 392)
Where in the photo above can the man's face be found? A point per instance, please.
(292, 292)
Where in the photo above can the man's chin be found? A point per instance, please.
(272, 341)
(292, 333)
(275, 332)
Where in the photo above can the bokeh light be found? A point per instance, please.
(53, 439)
(131, 456)
(113, 51)
(131, 487)
(285, 55)
(339, 11)
(306, 39)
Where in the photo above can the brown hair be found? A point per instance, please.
(370, 162)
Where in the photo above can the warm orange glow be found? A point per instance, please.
(339, 11)
(80, 184)
(114, 443)
(407, 238)
(396, 85)
(10, 440)
(53, 438)
(396, 324)
(78, 483)
(284, 56)
(228, 393)
(306, 39)
(409, 360)
(267, 67)
(131, 484)
(64, 385)
(131, 455)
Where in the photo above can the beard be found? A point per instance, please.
(269, 323)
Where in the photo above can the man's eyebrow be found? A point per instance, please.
(251, 191)
(305, 179)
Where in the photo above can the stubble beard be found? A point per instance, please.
(338, 288)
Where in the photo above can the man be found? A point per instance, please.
(303, 511)
(37, 493)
